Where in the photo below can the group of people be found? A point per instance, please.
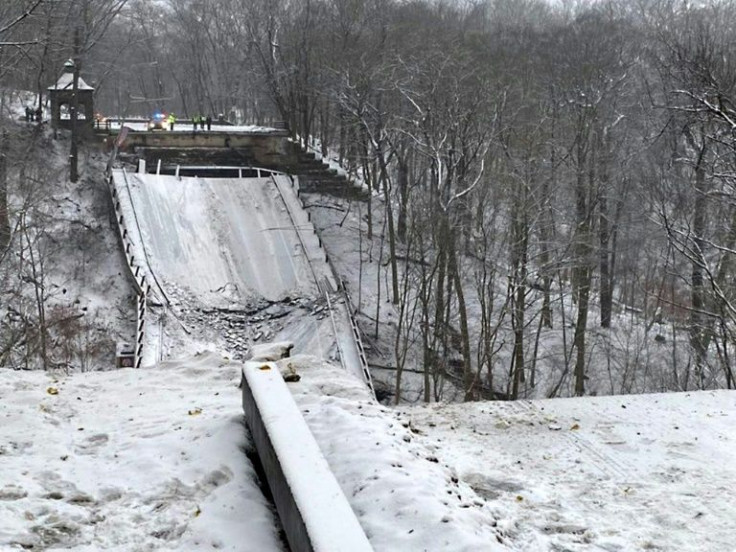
(197, 121)
(33, 115)
(201, 121)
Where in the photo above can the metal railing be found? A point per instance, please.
(341, 287)
(356, 336)
(141, 285)
(260, 172)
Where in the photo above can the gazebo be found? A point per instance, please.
(61, 97)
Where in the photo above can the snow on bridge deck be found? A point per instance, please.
(226, 243)
(228, 239)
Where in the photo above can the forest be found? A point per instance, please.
(553, 182)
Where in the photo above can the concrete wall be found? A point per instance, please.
(314, 512)
(291, 519)
(268, 150)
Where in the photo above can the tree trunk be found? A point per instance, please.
(583, 293)
(606, 290)
(468, 377)
(519, 246)
(546, 230)
(4, 219)
(581, 270)
(403, 183)
(438, 335)
(73, 153)
(698, 331)
(391, 231)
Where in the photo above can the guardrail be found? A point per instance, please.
(297, 229)
(260, 172)
(341, 287)
(314, 513)
(337, 338)
(356, 336)
(348, 300)
(141, 285)
(298, 190)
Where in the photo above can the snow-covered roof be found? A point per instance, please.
(65, 83)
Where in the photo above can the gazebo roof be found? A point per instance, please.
(66, 83)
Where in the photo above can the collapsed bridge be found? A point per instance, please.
(230, 245)
(244, 248)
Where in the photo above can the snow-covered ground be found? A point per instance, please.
(153, 460)
(637, 472)
(625, 473)
(129, 460)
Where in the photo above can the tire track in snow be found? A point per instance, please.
(606, 463)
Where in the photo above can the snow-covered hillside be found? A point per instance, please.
(64, 274)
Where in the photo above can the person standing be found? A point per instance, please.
(172, 120)
(209, 122)
(195, 122)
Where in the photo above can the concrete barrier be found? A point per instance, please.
(315, 515)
